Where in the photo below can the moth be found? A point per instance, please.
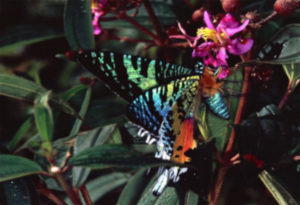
(162, 100)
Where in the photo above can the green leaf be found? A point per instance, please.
(266, 134)
(73, 91)
(114, 155)
(18, 136)
(280, 194)
(191, 198)
(18, 191)
(115, 137)
(82, 112)
(20, 88)
(276, 46)
(147, 197)
(85, 140)
(23, 35)
(100, 186)
(220, 128)
(33, 144)
(283, 49)
(44, 118)
(169, 196)
(134, 188)
(78, 24)
(104, 112)
(13, 167)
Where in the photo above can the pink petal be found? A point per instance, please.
(209, 60)
(203, 50)
(208, 21)
(221, 57)
(97, 30)
(102, 3)
(228, 21)
(232, 31)
(237, 47)
(224, 73)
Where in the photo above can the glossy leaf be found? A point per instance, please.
(44, 118)
(13, 167)
(100, 186)
(78, 24)
(23, 35)
(82, 112)
(265, 134)
(147, 197)
(20, 88)
(67, 95)
(169, 196)
(134, 188)
(113, 155)
(85, 140)
(191, 198)
(276, 47)
(104, 112)
(18, 136)
(280, 194)
(219, 128)
(18, 191)
(283, 50)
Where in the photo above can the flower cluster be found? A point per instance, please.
(217, 41)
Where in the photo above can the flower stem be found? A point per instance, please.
(214, 193)
(50, 195)
(239, 114)
(154, 20)
(132, 40)
(86, 195)
(216, 190)
(286, 95)
(124, 16)
(265, 20)
(64, 184)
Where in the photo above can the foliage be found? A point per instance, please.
(65, 138)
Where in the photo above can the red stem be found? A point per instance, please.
(66, 187)
(129, 39)
(286, 95)
(154, 20)
(124, 16)
(268, 18)
(47, 193)
(239, 114)
(86, 195)
(216, 190)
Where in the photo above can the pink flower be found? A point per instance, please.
(217, 41)
(220, 39)
(97, 11)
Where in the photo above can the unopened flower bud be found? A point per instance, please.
(285, 7)
(198, 15)
(231, 6)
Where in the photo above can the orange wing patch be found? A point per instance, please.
(209, 84)
(184, 141)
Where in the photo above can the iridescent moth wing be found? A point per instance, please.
(129, 76)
